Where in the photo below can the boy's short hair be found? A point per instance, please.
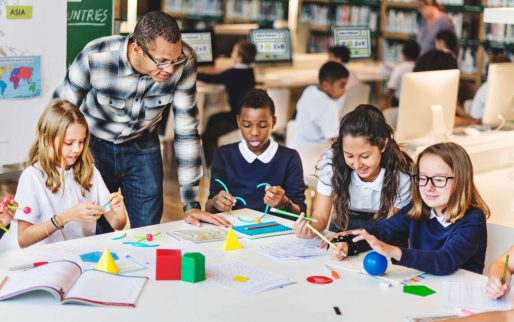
(341, 52)
(331, 72)
(450, 40)
(411, 50)
(258, 98)
(435, 60)
(247, 51)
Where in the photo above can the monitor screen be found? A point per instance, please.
(356, 38)
(499, 104)
(273, 45)
(201, 42)
(420, 91)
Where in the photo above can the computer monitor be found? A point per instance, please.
(420, 91)
(273, 45)
(499, 104)
(201, 42)
(356, 38)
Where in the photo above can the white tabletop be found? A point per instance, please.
(359, 297)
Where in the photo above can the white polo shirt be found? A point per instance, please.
(395, 80)
(44, 204)
(364, 196)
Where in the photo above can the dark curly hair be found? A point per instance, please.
(156, 24)
(369, 122)
(258, 98)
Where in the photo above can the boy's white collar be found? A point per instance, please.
(265, 157)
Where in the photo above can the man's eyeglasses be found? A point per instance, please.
(437, 181)
(164, 64)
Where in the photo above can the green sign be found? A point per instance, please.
(87, 20)
(19, 12)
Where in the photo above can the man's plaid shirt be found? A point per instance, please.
(121, 105)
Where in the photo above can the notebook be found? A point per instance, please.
(263, 229)
(66, 281)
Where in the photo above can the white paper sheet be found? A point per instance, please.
(294, 249)
(259, 280)
(473, 296)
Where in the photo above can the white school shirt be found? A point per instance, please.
(264, 157)
(364, 196)
(44, 204)
(478, 104)
(440, 219)
(395, 80)
(317, 117)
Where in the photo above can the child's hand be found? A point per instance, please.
(275, 197)
(495, 289)
(300, 228)
(116, 203)
(224, 201)
(379, 246)
(87, 212)
(7, 214)
(339, 252)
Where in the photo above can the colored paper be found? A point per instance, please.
(18, 12)
(241, 279)
(94, 257)
(420, 290)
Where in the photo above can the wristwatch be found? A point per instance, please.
(191, 205)
(288, 206)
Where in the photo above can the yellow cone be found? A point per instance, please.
(106, 263)
(231, 243)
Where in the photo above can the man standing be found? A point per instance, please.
(122, 85)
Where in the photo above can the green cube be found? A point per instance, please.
(193, 267)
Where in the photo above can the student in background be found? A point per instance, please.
(445, 223)
(410, 53)
(6, 214)
(434, 19)
(317, 112)
(341, 54)
(364, 177)
(257, 159)
(446, 40)
(238, 80)
(440, 60)
(61, 185)
(478, 103)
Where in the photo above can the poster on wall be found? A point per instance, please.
(20, 77)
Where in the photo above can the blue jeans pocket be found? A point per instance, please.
(148, 146)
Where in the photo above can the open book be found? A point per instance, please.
(65, 280)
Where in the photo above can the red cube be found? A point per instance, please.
(168, 264)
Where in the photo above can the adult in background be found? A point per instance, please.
(122, 85)
(434, 20)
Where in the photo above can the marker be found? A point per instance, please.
(321, 236)
(290, 214)
(27, 266)
(262, 226)
(333, 272)
(107, 203)
(504, 277)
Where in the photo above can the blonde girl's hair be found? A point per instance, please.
(465, 193)
(52, 125)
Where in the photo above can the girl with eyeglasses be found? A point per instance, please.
(445, 222)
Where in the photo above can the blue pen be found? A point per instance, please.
(107, 203)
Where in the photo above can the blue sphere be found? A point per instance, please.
(375, 264)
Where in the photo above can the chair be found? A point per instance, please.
(281, 98)
(499, 239)
(290, 130)
(356, 95)
(391, 116)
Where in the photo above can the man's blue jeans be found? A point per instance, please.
(136, 168)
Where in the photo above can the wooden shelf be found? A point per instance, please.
(401, 5)
(184, 15)
(397, 35)
(319, 28)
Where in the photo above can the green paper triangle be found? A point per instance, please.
(420, 290)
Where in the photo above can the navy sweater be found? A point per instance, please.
(237, 81)
(241, 177)
(433, 248)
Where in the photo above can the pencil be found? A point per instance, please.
(3, 282)
(262, 226)
(504, 277)
(290, 214)
(321, 236)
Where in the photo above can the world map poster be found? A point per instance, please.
(20, 77)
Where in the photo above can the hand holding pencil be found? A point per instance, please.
(499, 280)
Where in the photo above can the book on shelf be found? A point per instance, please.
(70, 285)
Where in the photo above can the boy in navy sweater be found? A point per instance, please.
(445, 223)
(238, 80)
(257, 159)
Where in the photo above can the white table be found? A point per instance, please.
(359, 297)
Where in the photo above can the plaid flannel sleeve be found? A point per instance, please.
(76, 83)
(187, 139)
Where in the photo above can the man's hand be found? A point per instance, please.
(196, 216)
